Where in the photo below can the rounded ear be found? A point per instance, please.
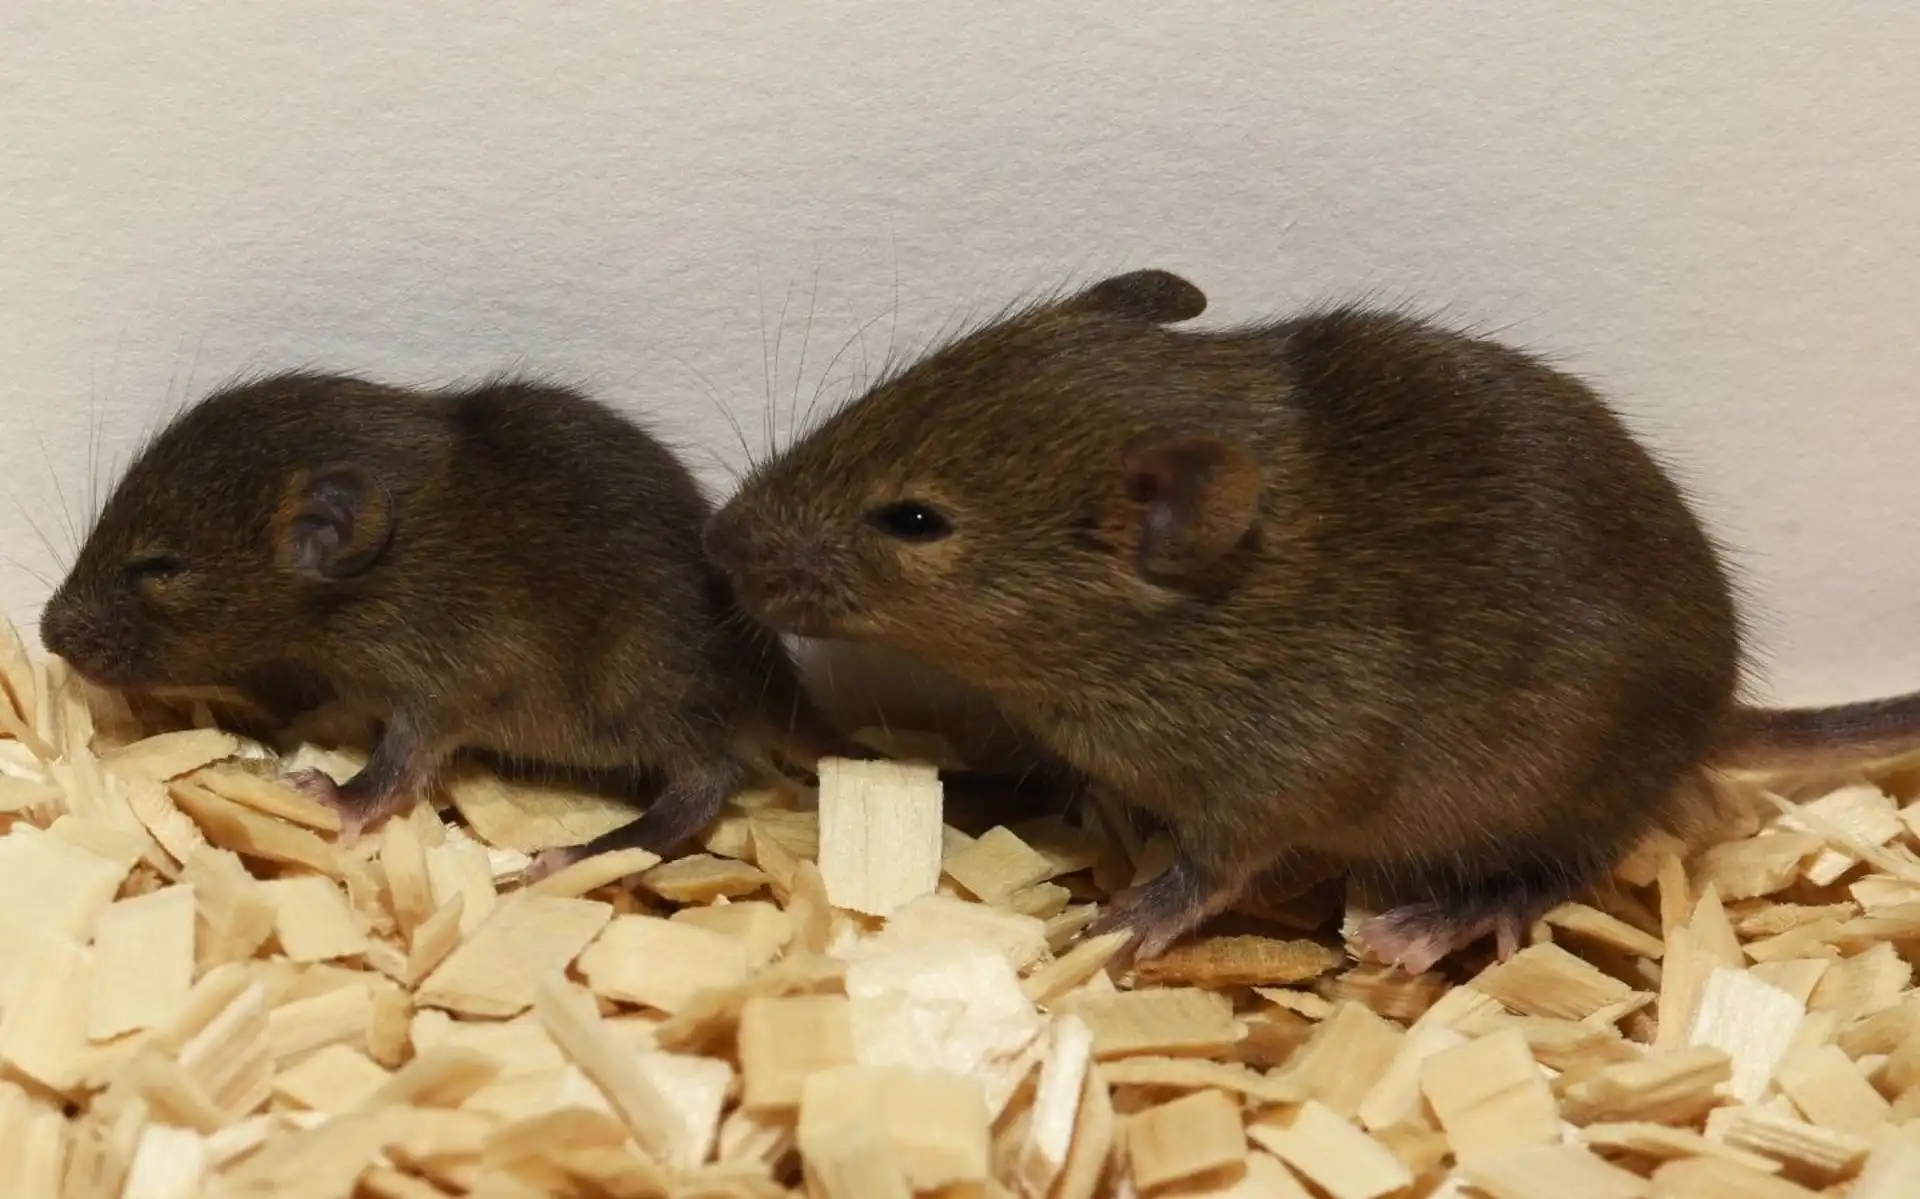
(333, 523)
(1193, 499)
(1155, 296)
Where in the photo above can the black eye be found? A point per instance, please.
(909, 520)
(152, 568)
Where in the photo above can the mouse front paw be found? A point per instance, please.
(1160, 911)
(319, 786)
(549, 862)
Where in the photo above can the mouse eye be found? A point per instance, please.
(154, 568)
(909, 520)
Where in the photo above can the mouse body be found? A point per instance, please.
(511, 567)
(1347, 586)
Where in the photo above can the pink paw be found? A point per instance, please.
(1418, 937)
(319, 786)
(549, 862)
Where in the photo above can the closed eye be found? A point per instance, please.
(153, 567)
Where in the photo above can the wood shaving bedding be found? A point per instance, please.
(836, 994)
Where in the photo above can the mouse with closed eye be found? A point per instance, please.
(1348, 586)
(510, 567)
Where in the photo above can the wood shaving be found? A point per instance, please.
(202, 993)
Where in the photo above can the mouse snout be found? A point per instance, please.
(786, 582)
(91, 640)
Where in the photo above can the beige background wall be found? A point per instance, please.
(1707, 208)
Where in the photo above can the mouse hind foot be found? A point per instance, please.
(689, 802)
(1416, 937)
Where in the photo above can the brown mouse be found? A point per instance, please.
(1346, 586)
(510, 567)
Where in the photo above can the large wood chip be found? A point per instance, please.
(1752, 1021)
(661, 963)
(1491, 1098)
(929, 1127)
(142, 962)
(497, 971)
(531, 818)
(1346, 1055)
(1546, 980)
(783, 1040)
(1564, 1171)
(1339, 1158)
(1194, 1135)
(1240, 962)
(879, 833)
(1177, 1021)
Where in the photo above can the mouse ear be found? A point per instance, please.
(1193, 500)
(1155, 296)
(334, 522)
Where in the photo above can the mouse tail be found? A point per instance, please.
(1780, 738)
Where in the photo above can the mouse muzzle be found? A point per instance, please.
(787, 586)
(104, 649)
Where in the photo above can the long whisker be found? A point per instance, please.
(806, 337)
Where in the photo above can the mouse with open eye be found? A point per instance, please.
(510, 567)
(1346, 587)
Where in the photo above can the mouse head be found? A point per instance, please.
(1053, 472)
(228, 540)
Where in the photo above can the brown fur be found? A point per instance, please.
(512, 567)
(1348, 585)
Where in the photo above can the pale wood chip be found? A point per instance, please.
(266, 795)
(1715, 1178)
(1664, 1088)
(1546, 980)
(1192, 1074)
(531, 817)
(52, 885)
(702, 878)
(1830, 1090)
(496, 971)
(1589, 922)
(1752, 1021)
(142, 962)
(950, 1007)
(1490, 1097)
(1891, 1170)
(1177, 1021)
(996, 865)
(1565, 1171)
(312, 920)
(1663, 1142)
(570, 1020)
(1346, 1054)
(764, 928)
(1065, 1061)
(879, 833)
(1333, 1154)
(1196, 1134)
(1090, 1156)
(43, 1032)
(936, 919)
(927, 1127)
(167, 756)
(1821, 1155)
(661, 963)
(337, 1078)
(1759, 865)
(247, 832)
(783, 1040)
